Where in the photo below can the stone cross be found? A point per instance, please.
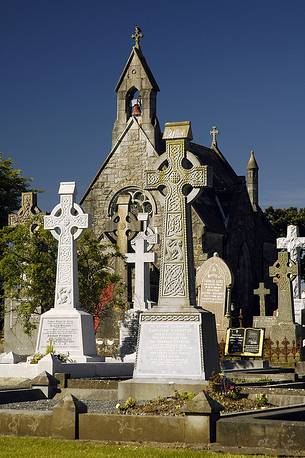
(137, 36)
(261, 291)
(283, 272)
(28, 208)
(142, 257)
(214, 132)
(293, 244)
(177, 285)
(66, 222)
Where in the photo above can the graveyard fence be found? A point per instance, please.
(283, 352)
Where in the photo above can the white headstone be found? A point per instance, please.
(69, 329)
(293, 244)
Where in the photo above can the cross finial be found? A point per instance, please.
(214, 132)
(137, 36)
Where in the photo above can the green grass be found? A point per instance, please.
(27, 447)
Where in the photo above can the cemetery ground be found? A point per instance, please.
(37, 447)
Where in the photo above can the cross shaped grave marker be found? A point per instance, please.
(214, 132)
(142, 257)
(283, 272)
(261, 291)
(28, 208)
(177, 286)
(66, 223)
(293, 244)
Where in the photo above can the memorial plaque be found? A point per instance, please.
(245, 342)
(254, 340)
(235, 341)
(62, 332)
(166, 346)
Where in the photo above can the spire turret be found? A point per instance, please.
(252, 180)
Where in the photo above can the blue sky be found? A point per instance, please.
(237, 64)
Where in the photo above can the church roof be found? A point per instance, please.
(142, 59)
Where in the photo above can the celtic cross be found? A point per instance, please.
(137, 36)
(261, 291)
(214, 132)
(177, 288)
(28, 208)
(283, 272)
(66, 222)
(293, 244)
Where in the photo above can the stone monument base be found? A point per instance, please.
(277, 329)
(174, 349)
(70, 331)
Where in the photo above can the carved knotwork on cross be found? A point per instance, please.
(261, 292)
(283, 271)
(66, 223)
(176, 279)
(137, 36)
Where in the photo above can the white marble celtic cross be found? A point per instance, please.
(141, 258)
(177, 285)
(66, 223)
(293, 244)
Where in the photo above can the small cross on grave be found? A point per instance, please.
(261, 291)
(137, 36)
(214, 132)
(283, 272)
(28, 208)
(142, 257)
(66, 223)
(177, 285)
(293, 244)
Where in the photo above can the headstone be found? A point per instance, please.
(293, 244)
(15, 339)
(176, 340)
(261, 292)
(244, 342)
(214, 281)
(68, 328)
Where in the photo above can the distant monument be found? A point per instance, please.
(262, 292)
(214, 281)
(177, 341)
(283, 272)
(15, 339)
(69, 329)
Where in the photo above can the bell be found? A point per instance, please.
(136, 111)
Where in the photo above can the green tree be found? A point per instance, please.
(28, 270)
(280, 218)
(12, 184)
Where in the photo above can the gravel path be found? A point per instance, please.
(48, 404)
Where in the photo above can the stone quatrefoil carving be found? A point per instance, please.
(176, 287)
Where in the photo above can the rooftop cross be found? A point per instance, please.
(177, 287)
(261, 291)
(214, 132)
(137, 36)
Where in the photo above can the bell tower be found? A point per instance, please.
(137, 95)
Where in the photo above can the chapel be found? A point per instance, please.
(226, 216)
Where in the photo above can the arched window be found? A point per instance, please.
(133, 103)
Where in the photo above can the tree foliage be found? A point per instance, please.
(280, 218)
(12, 184)
(28, 270)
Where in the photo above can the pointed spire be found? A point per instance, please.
(137, 36)
(252, 164)
(214, 132)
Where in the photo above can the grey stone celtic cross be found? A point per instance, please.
(28, 208)
(261, 291)
(293, 244)
(283, 272)
(177, 286)
(66, 223)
